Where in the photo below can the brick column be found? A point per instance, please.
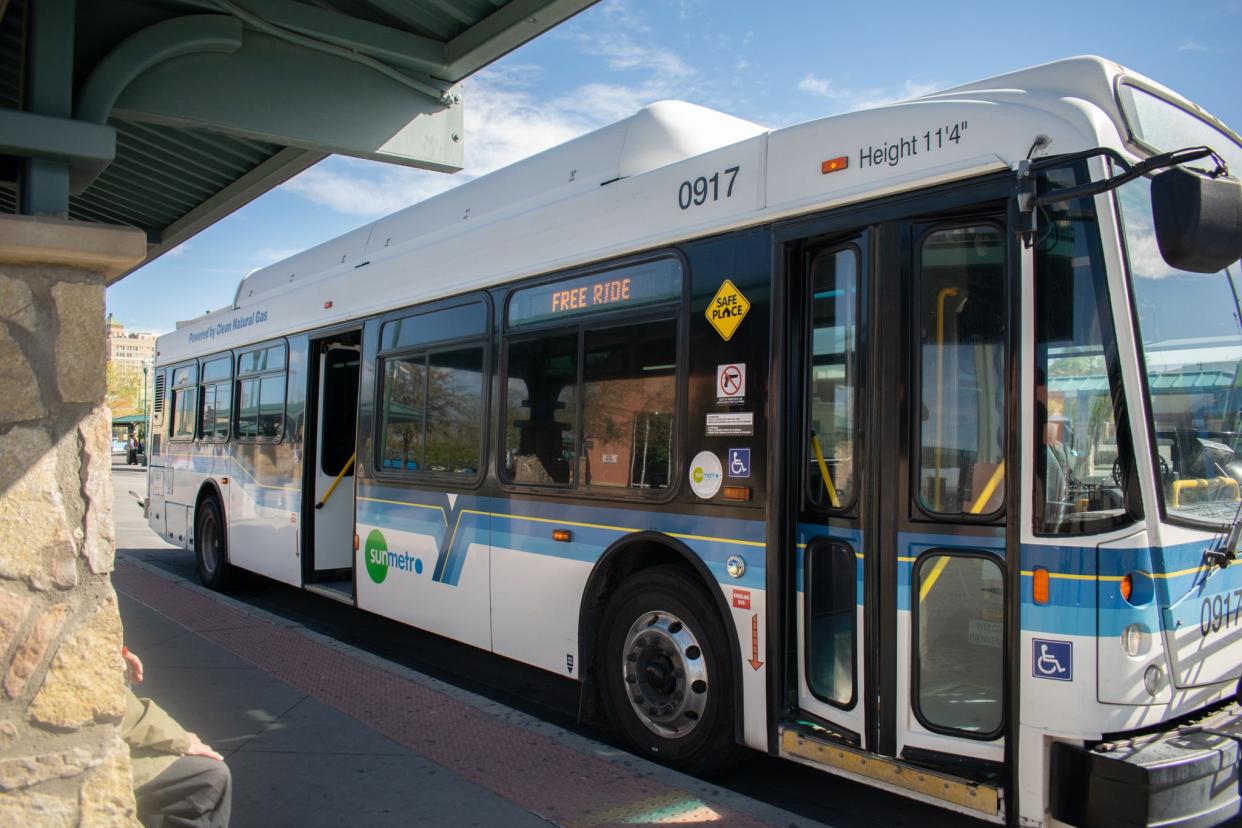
(62, 761)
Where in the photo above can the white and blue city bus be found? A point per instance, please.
(901, 443)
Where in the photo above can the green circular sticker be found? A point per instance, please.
(376, 556)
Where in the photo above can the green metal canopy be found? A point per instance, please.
(170, 114)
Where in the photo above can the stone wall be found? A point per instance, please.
(62, 761)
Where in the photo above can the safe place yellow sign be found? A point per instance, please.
(727, 310)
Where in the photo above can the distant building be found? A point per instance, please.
(136, 348)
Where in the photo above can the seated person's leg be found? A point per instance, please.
(194, 790)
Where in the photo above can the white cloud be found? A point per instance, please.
(505, 121)
(1191, 46)
(270, 255)
(179, 250)
(850, 99)
(1144, 253)
(619, 13)
(623, 53)
(813, 85)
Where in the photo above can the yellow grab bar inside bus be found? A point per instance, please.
(933, 576)
(1175, 495)
(823, 472)
(989, 489)
(337, 482)
(944, 293)
(977, 508)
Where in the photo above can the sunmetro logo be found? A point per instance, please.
(378, 559)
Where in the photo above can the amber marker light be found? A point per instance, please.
(834, 164)
(737, 493)
(1039, 585)
(1127, 587)
(562, 535)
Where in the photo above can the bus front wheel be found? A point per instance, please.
(665, 671)
(211, 547)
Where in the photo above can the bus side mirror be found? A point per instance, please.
(1198, 219)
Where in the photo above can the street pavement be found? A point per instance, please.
(319, 733)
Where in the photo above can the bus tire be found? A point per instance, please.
(665, 671)
(211, 547)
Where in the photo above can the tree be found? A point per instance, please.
(124, 393)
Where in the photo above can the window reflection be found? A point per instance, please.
(541, 409)
(1190, 327)
(832, 377)
(628, 395)
(962, 332)
(960, 643)
(1081, 459)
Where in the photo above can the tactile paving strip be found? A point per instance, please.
(547, 777)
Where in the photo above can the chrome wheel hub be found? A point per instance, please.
(665, 674)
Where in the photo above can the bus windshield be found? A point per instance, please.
(1190, 332)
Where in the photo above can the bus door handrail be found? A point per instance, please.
(348, 465)
(937, 483)
(823, 472)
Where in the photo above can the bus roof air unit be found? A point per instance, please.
(655, 136)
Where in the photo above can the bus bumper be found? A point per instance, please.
(1184, 777)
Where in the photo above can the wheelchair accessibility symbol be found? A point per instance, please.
(1052, 659)
(739, 462)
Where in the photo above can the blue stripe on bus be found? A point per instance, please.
(527, 527)
(1084, 583)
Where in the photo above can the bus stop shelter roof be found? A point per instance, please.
(168, 115)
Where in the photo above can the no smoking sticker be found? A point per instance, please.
(731, 383)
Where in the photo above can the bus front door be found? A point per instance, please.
(897, 469)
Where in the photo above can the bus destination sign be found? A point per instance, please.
(639, 284)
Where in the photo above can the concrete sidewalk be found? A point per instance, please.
(318, 733)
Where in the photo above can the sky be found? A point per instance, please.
(777, 63)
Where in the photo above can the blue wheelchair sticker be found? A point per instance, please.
(739, 462)
(1052, 659)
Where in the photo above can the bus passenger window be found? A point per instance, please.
(405, 390)
(832, 378)
(1082, 459)
(455, 411)
(184, 402)
(271, 405)
(183, 413)
(216, 400)
(629, 393)
(261, 399)
(961, 462)
(540, 410)
(217, 408)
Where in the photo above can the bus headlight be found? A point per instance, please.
(1153, 678)
(1134, 640)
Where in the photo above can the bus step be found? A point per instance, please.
(342, 591)
(975, 798)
